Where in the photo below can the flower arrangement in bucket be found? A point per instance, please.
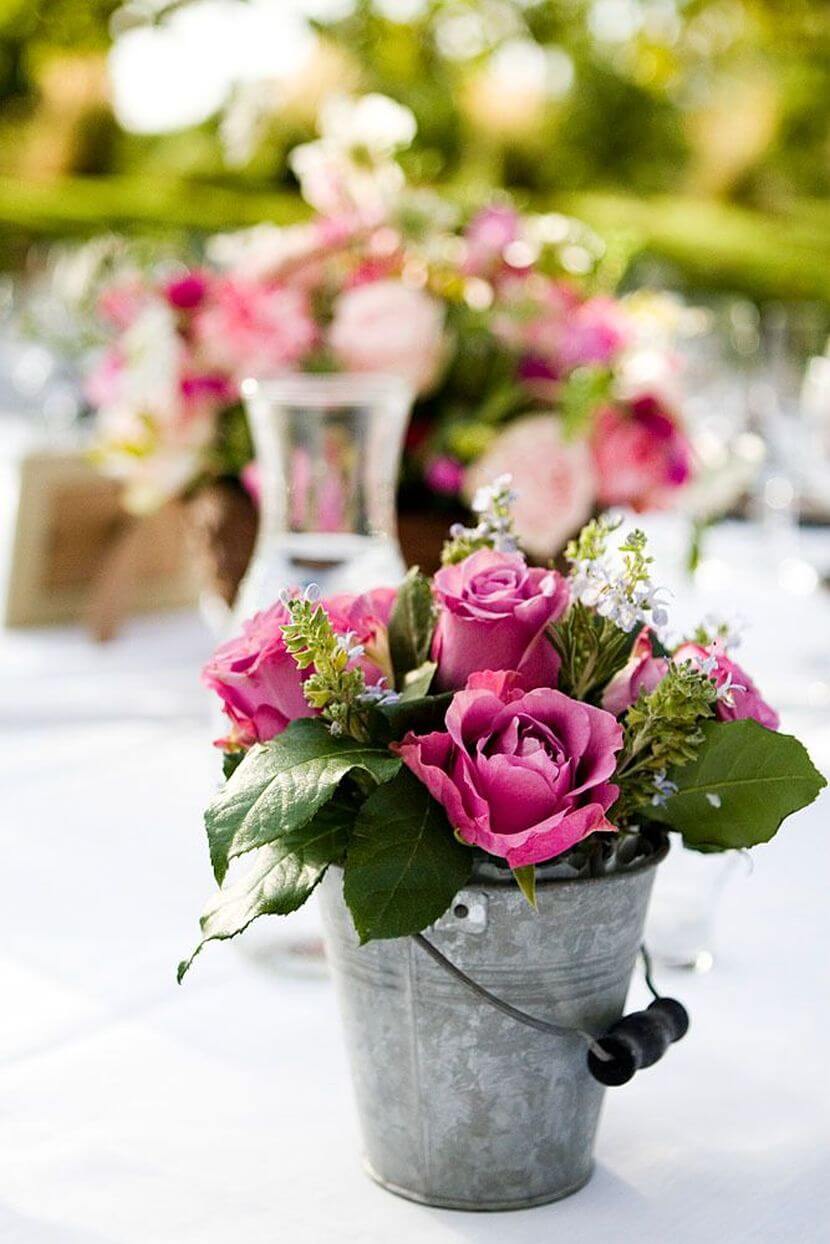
(503, 323)
(481, 771)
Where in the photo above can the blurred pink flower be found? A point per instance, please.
(554, 480)
(252, 329)
(185, 293)
(488, 233)
(444, 475)
(641, 455)
(103, 384)
(390, 328)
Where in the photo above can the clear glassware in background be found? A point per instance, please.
(328, 450)
(718, 353)
(791, 334)
(682, 920)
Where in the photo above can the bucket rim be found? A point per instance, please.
(639, 866)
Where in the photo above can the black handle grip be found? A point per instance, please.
(638, 1040)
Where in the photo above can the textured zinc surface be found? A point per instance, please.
(460, 1105)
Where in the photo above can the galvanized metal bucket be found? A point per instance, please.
(461, 1106)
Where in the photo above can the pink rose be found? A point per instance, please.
(494, 609)
(743, 699)
(522, 774)
(642, 672)
(387, 327)
(249, 328)
(258, 680)
(554, 480)
(640, 453)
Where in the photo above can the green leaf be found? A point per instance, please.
(280, 878)
(411, 625)
(584, 391)
(403, 865)
(745, 781)
(417, 682)
(525, 876)
(281, 785)
(421, 715)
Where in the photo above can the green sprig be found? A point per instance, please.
(662, 730)
(335, 689)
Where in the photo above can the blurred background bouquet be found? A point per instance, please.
(481, 197)
(496, 319)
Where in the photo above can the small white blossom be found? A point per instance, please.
(714, 799)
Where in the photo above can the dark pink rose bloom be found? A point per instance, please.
(444, 475)
(743, 698)
(494, 609)
(258, 681)
(186, 292)
(641, 455)
(642, 672)
(521, 774)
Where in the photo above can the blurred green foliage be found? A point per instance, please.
(700, 126)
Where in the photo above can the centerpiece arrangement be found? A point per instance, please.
(493, 756)
(504, 324)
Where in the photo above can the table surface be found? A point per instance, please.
(137, 1112)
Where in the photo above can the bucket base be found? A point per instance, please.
(475, 1207)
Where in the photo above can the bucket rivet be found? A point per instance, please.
(461, 911)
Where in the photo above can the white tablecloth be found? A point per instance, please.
(136, 1112)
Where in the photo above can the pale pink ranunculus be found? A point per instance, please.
(642, 672)
(743, 698)
(493, 613)
(522, 774)
(385, 326)
(258, 680)
(641, 455)
(554, 481)
(251, 328)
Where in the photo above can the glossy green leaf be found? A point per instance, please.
(745, 781)
(281, 785)
(411, 625)
(420, 715)
(403, 866)
(280, 877)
